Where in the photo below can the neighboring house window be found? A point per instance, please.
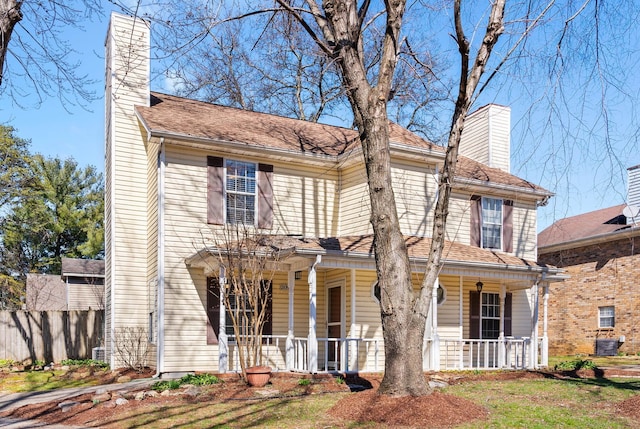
(239, 192)
(484, 315)
(213, 313)
(491, 223)
(607, 317)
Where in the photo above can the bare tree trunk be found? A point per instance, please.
(403, 328)
(10, 15)
(403, 312)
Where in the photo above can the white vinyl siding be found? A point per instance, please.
(414, 186)
(305, 200)
(126, 180)
(355, 206)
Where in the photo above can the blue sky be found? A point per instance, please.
(590, 182)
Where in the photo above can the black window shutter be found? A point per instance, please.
(265, 196)
(508, 300)
(476, 221)
(474, 314)
(215, 190)
(213, 310)
(507, 226)
(268, 322)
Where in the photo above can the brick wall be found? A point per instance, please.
(606, 274)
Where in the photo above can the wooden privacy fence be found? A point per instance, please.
(50, 336)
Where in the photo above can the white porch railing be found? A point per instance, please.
(510, 353)
(349, 355)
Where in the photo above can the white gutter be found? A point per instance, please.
(483, 185)
(161, 248)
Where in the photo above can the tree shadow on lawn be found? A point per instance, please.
(595, 377)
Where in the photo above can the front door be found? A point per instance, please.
(334, 326)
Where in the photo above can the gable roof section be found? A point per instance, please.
(583, 227)
(74, 267)
(182, 118)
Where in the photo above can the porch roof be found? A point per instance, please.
(359, 249)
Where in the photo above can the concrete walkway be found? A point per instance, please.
(12, 401)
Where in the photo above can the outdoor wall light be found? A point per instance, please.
(479, 286)
(298, 275)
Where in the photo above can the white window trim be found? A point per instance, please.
(373, 292)
(482, 223)
(482, 317)
(255, 192)
(601, 316)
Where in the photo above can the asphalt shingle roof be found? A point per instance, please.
(418, 247)
(583, 226)
(188, 118)
(88, 267)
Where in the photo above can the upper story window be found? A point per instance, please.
(240, 192)
(606, 317)
(491, 223)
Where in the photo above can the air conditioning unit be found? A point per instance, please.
(98, 353)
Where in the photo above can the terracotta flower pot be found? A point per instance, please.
(258, 376)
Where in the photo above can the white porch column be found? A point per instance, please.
(313, 339)
(223, 346)
(501, 342)
(533, 355)
(434, 351)
(545, 337)
(290, 351)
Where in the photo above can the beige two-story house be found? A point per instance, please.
(179, 170)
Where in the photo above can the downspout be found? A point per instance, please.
(161, 248)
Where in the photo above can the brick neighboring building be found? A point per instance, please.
(600, 251)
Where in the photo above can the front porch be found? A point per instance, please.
(326, 314)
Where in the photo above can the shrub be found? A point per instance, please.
(196, 380)
(575, 365)
(6, 363)
(304, 382)
(85, 362)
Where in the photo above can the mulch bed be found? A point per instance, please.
(437, 410)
